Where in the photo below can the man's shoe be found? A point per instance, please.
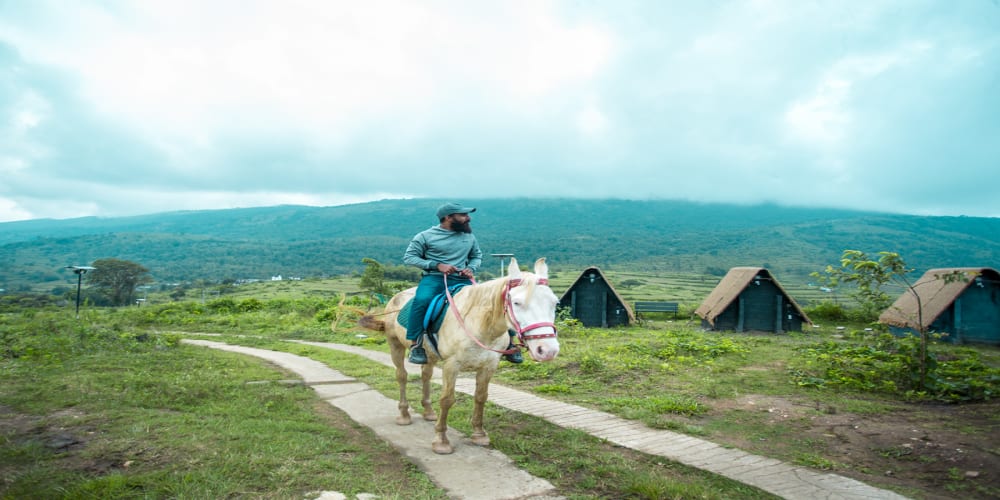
(514, 357)
(418, 356)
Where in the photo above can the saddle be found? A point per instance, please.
(436, 311)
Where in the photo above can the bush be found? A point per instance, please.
(827, 310)
(887, 364)
(250, 305)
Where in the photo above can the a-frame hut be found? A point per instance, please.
(750, 299)
(968, 310)
(595, 302)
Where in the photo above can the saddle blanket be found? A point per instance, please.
(435, 311)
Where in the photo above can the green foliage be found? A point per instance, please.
(887, 364)
(827, 311)
(373, 277)
(117, 279)
(667, 403)
(52, 337)
(19, 301)
(869, 278)
(222, 305)
(630, 283)
(249, 305)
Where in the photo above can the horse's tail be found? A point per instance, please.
(368, 321)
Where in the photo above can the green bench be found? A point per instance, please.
(650, 306)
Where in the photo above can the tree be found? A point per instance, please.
(373, 278)
(871, 276)
(117, 279)
(631, 283)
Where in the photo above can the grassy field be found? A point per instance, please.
(88, 411)
(112, 407)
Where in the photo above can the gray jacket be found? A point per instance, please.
(438, 245)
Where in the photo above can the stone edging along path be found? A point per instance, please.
(776, 477)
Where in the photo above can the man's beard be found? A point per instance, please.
(462, 227)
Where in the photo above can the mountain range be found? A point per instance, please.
(614, 234)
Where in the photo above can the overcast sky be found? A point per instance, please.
(125, 107)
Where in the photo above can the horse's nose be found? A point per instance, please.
(546, 352)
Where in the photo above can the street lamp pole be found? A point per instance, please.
(79, 271)
(502, 256)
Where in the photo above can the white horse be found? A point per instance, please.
(472, 337)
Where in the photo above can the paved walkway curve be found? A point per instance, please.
(459, 474)
(776, 477)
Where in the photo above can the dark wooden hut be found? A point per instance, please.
(750, 299)
(595, 302)
(968, 310)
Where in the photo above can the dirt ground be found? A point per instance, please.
(927, 451)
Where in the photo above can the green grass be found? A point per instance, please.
(666, 374)
(579, 465)
(153, 419)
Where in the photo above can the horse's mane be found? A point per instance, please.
(487, 298)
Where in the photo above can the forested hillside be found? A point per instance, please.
(653, 236)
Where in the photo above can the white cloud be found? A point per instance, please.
(271, 102)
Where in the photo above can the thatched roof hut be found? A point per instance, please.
(595, 302)
(967, 309)
(750, 298)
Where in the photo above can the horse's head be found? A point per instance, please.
(531, 310)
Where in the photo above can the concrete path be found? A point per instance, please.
(776, 477)
(459, 474)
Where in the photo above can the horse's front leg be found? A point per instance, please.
(426, 373)
(441, 444)
(479, 435)
(398, 354)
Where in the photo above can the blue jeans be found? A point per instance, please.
(430, 286)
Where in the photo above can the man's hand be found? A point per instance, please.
(447, 268)
(450, 269)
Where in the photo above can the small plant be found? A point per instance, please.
(553, 389)
(815, 461)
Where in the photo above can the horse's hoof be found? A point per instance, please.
(430, 417)
(481, 439)
(442, 448)
(403, 421)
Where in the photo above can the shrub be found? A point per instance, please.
(887, 364)
(827, 310)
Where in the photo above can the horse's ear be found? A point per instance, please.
(541, 268)
(512, 270)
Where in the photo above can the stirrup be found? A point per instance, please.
(418, 355)
(514, 357)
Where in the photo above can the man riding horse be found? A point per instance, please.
(448, 248)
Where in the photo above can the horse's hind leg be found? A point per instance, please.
(398, 353)
(426, 373)
(441, 445)
(479, 435)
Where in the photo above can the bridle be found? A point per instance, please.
(508, 309)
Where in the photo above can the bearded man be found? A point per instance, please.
(448, 248)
